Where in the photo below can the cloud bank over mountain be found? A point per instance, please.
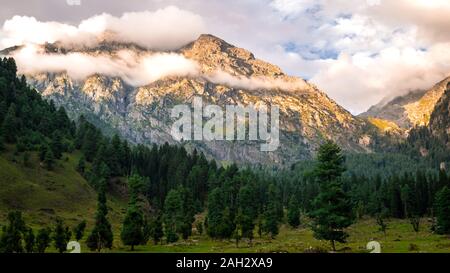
(136, 70)
(359, 52)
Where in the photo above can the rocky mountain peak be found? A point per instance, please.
(440, 118)
(410, 110)
(213, 53)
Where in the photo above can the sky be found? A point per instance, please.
(358, 51)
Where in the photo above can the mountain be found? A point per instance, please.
(407, 111)
(440, 119)
(142, 114)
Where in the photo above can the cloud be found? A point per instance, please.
(359, 80)
(255, 83)
(136, 70)
(164, 29)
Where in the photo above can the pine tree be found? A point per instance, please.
(2, 142)
(132, 233)
(12, 236)
(29, 241)
(156, 230)
(332, 208)
(199, 227)
(79, 230)
(442, 209)
(114, 151)
(9, 127)
(49, 159)
(247, 211)
(293, 213)
(237, 233)
(101, 236)
(227, 224)
(382, 225)
(270, 224)
(133, 226)
(81, 167)
(215, 213)
(57, 145)
(43, 240)
(173, 216)
(61, 236)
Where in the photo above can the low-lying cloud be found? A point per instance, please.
(134, 69)
(255, 83)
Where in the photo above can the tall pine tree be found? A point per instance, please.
(101, 236)
(332, 211)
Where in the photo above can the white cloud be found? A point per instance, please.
(136, 70)
(168, 28)
(359, 80)
(254, 83)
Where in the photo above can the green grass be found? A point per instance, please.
(399, 239)
(43, 195)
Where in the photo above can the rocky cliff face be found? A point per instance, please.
(440, 118)
(142, 114)
(413, 109)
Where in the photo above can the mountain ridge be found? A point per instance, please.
(140, 114)
(409, 110)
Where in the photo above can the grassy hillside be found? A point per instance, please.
(43, 195)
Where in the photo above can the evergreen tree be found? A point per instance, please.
(293, 213)
(247, 211)
(101, 236)
(12, 235)
(2, 140)
(173, 216)
(61, 236)
(43, 240)
(227, 224)
(156, 230)
(133, 226)
(214, 219)
(57, 145)
(415, 223)
(79, 230)
(49, 159)
(332, 208)
(81, 167)
(442, 208)
(115, 152)
(132, 230)
(9, 127)
(271, 219)
(382, 225)
(199, 227)
(29, 241)
(237, 233)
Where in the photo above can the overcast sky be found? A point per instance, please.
(357, 51)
